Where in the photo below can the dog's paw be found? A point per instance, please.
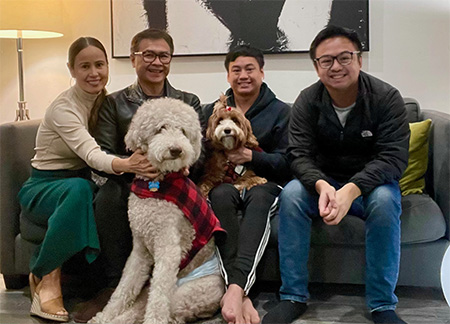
(99, 318)
(261, 180)
(204, 189)
(255, 181)
(94, 320)
(250, 183)
(176, 321)
(240, 187)
(155, 321)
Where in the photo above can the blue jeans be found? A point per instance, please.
(381, 211)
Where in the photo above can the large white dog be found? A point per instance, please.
(173, 227)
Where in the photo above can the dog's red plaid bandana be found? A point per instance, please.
(181, 191)
(231, 175)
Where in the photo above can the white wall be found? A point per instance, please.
(409, 48)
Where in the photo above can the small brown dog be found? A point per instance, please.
(228, 129)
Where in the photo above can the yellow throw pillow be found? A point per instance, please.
(413, 181)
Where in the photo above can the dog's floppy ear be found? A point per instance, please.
(133, 139)
(212, 124)
(252, 142)
(212, 121)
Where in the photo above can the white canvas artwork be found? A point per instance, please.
(204, 27)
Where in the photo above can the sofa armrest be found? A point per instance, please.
(17, 142)
(438, 177)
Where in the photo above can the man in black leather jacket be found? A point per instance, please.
(151, 53)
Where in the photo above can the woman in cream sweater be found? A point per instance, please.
(59, 193)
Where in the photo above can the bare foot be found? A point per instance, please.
(249, 312)
(231, 304)
(50, 288)
(237, 308)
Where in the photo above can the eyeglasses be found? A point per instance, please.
(327, 61)
(150, 57)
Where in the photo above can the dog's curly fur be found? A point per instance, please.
(169, 132)
(228, 129)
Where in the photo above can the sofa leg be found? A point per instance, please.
(15, 281)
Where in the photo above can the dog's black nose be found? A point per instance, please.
(227, 131)
(175, 151)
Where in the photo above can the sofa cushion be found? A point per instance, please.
(413, 181)
(422, 219)
(30, 231)
(412, 110)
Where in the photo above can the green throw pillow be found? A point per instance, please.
(413, 181)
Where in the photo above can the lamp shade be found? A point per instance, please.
(30, 18)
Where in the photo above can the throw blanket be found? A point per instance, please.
(181, 191)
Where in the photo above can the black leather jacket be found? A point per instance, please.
(118, 109)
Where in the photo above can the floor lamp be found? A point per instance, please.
(28, 19)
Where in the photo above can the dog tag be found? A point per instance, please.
(153, 186)
(240, 169)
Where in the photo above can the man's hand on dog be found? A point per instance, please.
(240, 155)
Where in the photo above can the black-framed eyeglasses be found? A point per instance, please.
(327, 61)
(150, 57)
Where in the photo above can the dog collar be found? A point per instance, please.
(153, 186)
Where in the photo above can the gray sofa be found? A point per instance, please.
(337, 254)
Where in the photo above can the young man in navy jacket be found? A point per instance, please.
(248, 238)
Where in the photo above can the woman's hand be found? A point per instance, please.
(137, 163)
(185, 171)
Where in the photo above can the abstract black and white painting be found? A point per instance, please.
(202, 27)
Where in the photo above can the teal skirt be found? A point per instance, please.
(61, 200)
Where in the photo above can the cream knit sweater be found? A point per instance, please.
(63, 141)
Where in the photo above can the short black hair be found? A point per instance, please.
(331, 32)
(151, 33)
(244, 50)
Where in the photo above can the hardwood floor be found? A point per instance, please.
(329, 304)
